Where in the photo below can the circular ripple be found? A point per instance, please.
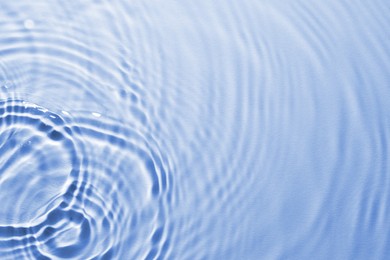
(37, 158)
(88, 177)
(82, 186)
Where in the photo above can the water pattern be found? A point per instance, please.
(194, 129)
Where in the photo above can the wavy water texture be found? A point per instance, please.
(194, 129)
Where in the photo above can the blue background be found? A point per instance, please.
(194, 129)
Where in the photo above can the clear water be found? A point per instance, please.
(234, 129)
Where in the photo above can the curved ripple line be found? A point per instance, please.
(91, 212)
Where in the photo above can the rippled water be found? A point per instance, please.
(194, 129)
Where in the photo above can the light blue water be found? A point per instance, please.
(234, 129)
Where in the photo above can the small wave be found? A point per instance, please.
(70, 201)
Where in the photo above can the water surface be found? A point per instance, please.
(194, 129)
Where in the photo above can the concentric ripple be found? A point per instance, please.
(203, 129)
(80, 187)
(80, 164)
(33, 140)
